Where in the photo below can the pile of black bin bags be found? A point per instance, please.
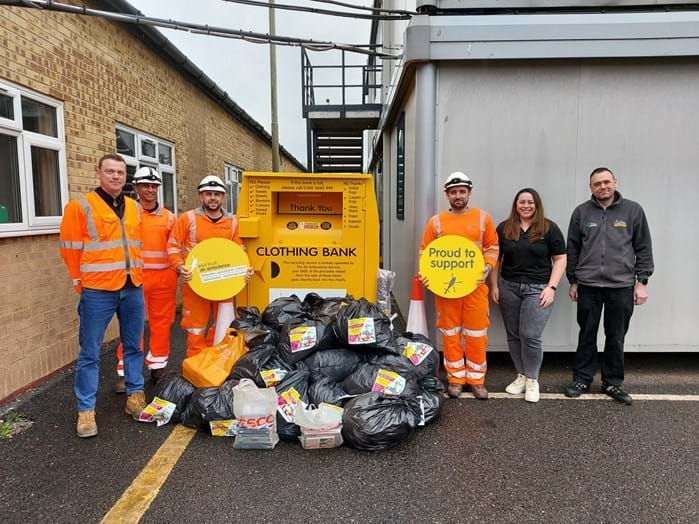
(345, 347)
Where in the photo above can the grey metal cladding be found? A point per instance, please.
(545, 4)
(463, 37)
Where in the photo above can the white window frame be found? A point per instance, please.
(233, 180)
(32, 224)
(165, 169)
(141, 155)
(16, 122)
(141, 160)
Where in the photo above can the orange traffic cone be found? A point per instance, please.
(417, 318)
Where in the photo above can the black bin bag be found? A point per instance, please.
(326, 390)
(283, 309)
(209, 404)
(174, 388)
(362, 326)
(302, 337)
(292, 389)
(364, 380)
(253, 363)
(420, 352)
(329, 307)
(373, 421)
(335, 364)
(249, 322)
(432, 398)
(397, 363)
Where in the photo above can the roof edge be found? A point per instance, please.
(195, 74)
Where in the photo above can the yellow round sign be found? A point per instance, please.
(452, 265)
(218, 267)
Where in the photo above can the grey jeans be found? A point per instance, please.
(524, 322)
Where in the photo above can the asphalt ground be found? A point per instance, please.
(503, 460)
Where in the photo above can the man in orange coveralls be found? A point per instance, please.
(465, 317)
(211, 220)
(159, 277)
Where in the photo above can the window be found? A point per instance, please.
(33, 179)
(400, 167)
(233, 178)
(141, 150)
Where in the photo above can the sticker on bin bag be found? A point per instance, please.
(159, 411)
(361, 330)
(302, 338)
(389, 382)
(287, 403)
(224, 428)
(272, 377)
(416, 352)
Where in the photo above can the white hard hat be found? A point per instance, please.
(457, 178)
(211, 183)
(146, 175)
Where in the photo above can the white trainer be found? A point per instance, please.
(517, 386)
(532, 390)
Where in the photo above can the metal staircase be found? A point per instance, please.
(338, 116)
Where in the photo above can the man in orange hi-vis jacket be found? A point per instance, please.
(159, 277)
(192, 227)
(100, 242)
(464, 319)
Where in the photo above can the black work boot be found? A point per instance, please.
(575, 389)
(617, 393)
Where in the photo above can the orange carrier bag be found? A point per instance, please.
(211, 366)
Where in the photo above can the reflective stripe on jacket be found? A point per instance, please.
(157, 226)
(195, 226)
(474, 224)
(98, 247)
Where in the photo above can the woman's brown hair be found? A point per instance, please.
(539, 226)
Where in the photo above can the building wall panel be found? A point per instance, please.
(105, 76)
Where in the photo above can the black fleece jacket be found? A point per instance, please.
(609, 247)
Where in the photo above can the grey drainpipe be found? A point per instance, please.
(425, 156)
(425, 145)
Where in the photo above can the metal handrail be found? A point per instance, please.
(370, 81)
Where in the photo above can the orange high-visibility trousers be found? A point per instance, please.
(466, 320)
(159, 292)
(196, 312)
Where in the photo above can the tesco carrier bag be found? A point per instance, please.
(255, 409)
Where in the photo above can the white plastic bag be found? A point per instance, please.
(324, 416)
(251, 401)
(255, 410)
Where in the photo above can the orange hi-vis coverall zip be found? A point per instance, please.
(465, 319)
(193, 227)
(159, 287)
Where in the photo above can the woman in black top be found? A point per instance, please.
(532, 262)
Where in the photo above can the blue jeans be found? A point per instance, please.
(95, 309)
(524, 320)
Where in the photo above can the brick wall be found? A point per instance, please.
(104, 75)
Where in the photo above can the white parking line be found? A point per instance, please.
(589, 396)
